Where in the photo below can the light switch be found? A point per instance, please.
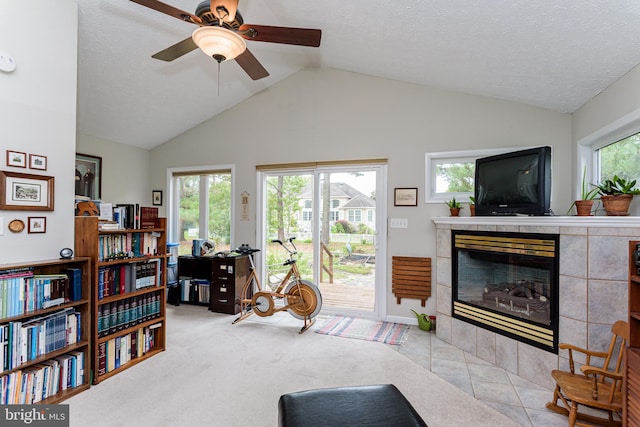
(399, 223)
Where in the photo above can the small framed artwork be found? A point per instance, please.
(26, 192)
(37, 162)
(405, 197)
(16, 159)
(88, 176)
(156, 198)
(37, 224)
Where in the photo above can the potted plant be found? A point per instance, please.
(472, 206)
(454, 206)
(616, 195)
(587, 196)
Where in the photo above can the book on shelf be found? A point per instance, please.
(148, 217)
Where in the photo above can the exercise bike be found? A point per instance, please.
(302, 298)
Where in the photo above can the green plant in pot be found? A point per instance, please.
(616, 195)
(587, 196)
(454, 206)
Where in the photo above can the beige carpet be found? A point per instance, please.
(217, 374)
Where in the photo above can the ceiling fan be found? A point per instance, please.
(222, 34)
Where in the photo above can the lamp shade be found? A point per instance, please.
(219, 43)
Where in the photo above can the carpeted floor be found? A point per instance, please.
(217, 374)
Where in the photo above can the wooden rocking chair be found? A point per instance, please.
(597, 388)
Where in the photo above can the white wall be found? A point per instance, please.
(336, 115)
(125, 170)
(38, 110)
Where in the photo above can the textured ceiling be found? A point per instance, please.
(550, 54)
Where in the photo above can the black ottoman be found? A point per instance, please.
(371, 406)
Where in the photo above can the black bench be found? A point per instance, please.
(370, 405)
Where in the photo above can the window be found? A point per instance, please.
(369, 216)
(612, 150)
(451, 174)
(354, 215)
(306, 215)
(307, 204)
(334, 216)
(621, 158)
(202, 208)
(335, 203)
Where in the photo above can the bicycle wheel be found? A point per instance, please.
(310, 295)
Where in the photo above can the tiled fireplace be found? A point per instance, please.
(507, 283)
(591, 289)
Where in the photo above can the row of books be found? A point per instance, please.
(125, 278)
(38, 382)
(127, 216)
(122, 314)
(21, 342)
(195, 290)
(23, 291)
(127, 245)
(118, 351)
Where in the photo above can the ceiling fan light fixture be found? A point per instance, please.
(219, 43)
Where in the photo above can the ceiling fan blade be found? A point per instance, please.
(251, 65)
(176, 51)
(285, 35)
(169, 10)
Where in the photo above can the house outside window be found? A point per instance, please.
(355, 215)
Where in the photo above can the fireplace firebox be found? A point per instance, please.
(508, 283)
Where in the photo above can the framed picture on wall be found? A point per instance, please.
(26, 192)
(88, 176)
(17, 159)
(156, 197)
(37, 224)
(37, 162)
(405, 197)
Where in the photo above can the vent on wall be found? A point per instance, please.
(411, 278)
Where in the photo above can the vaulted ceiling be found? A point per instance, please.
(551, 54)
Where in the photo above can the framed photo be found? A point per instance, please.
(88, 176)
(405, 197)
(37, 162)
(26, 192)
(16, 159)
(37, 224)
(156, 198)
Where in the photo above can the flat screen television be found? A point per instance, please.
(514, 183)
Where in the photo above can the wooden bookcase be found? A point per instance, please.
(631, 407)
(129, 321)
(46, 342)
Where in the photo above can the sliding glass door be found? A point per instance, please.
(334, 213)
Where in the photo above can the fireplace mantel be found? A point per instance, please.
(593, 290)
(538, 221)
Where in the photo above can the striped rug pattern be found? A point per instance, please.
(364, 329)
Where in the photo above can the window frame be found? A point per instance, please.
(433, 159)
(588, 146)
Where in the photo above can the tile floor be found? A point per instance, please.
(519, 399)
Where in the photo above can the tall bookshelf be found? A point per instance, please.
(128, 280)
(631, 410)
(45, 317)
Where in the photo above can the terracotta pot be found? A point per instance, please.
(583, 207)
(617, 204)
(472, 210)
(454, 211)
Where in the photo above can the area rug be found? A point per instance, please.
(364, 329)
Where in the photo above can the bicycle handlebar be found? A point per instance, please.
(290, 240)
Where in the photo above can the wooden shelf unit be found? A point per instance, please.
(141, 333)
(82, 344)
(631, 408)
